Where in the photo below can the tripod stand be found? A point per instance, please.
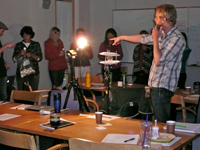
(77, 91)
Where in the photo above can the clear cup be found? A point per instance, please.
(54, 119)
(146, 135)
(98, 116)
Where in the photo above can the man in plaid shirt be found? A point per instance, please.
(168, 48)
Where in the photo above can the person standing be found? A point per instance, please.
(106, 46)
(168, 45)
(183, 74)
(82, 60)
(4, 66)
(32, 50)
(54, 52)
(142, 59)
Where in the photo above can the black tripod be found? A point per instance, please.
(77, 91)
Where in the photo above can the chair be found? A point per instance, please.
(94, 79)
(58, 146)
(190, 113)
(94, 104)
(82, 144)
(45, 93)
(23, 141)
(17, 140)
(26, 96)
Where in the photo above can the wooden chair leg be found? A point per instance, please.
(37, 141)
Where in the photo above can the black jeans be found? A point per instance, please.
(56, 77)
(161, 101)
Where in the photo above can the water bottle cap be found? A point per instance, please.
(57, 96)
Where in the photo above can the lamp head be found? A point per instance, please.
(82, 42)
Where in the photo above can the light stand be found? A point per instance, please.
(74, 83)
(108, 62)
(106, 105)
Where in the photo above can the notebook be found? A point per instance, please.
(39, 107)
(10, 80)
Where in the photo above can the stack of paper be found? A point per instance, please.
(21, 107)
(186, 127)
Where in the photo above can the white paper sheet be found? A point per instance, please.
(105, 117)
(5, 117)
(2, 102)
(21, 107)
(120, 138)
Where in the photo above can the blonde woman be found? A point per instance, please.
(56, 55)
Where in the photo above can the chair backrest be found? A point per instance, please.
(26, 96)
(43, 92)
(17, 140)
(89, 101)
(82, 144)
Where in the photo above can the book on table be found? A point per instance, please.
(186, 127)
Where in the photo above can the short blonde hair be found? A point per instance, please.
(168, 11)
(54, 30)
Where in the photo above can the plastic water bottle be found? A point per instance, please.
(57, 102)
(124, 79)
(88, 80)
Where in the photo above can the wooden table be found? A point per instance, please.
(117, 97)
(84, 128)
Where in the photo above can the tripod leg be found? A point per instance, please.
(83, 106)
(67, 97)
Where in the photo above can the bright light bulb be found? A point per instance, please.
(82, 42)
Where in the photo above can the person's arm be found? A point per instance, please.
(7, 65)
(156, 50)
(18, 51)
(50, 54)
(136, 38)
(37, 53)
(9, 45)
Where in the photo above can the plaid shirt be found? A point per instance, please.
(34, 48)
(167, 73)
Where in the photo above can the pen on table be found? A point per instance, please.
(107, 117)
(181, 126)
(129, 140)
(18, 107)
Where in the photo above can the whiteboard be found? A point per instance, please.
(194, 35)
(128, 22)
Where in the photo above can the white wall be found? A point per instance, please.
(93, 15)
(16, 14)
